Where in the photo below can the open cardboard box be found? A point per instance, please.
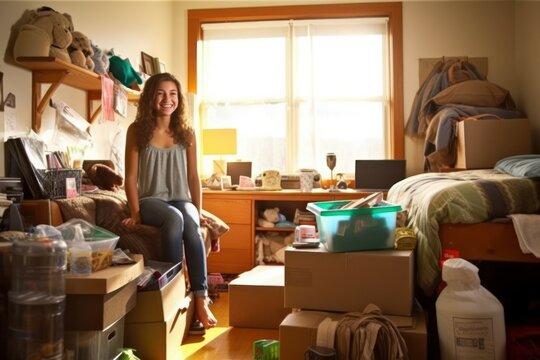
(299, 331)
(159, 322)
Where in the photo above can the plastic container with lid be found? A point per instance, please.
(101, 241)
(470, 320)
(357, 229)
(37, 298)
(38, 265)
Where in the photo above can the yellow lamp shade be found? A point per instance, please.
(219, 141)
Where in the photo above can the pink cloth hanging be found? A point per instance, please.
(107, 97)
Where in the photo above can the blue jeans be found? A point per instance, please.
(179, 223)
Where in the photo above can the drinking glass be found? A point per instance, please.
(331, 163)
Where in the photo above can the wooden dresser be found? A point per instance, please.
(240, 210)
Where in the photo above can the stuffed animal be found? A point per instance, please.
(269, 217)
(101, 60)
(80, 51)
(105, 177)
(271, 246)
(41, 32)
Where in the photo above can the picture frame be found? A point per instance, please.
(147, 64)
(226, 182)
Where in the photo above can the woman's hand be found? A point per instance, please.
(132, 221)
(204, 220)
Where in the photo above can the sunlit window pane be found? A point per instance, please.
(296, 90)
(261, 132)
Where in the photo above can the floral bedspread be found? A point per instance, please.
(465, 197)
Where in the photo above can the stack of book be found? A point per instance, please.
(302, 217)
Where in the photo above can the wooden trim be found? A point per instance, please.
(484, 241)
(392, 10)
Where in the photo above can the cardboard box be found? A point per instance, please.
(99, 311)
(319, 280)
(263, 284)
(299, 331)
(159, 322)
(104, 281)
(97, 300)
(481, 143)
(161, 340)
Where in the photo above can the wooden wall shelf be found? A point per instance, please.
(56, 72)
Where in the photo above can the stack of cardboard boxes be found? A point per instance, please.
(96, 306)
(316, 284)
(321, 284)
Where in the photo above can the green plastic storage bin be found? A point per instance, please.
(342, 230)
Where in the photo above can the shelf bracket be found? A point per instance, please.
(90, 98)
(55, 78)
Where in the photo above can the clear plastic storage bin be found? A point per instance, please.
(101, 241)
(342, 230)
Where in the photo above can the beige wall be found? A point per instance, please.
(430, 29)
(528, 63)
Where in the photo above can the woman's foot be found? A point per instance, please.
(203, 313)
(196, 328)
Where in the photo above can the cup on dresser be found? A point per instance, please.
(306, 181)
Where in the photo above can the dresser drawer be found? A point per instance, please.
(238, 237)
(230, 210)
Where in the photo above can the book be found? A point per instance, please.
(367, 201)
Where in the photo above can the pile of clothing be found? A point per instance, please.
(454, 90)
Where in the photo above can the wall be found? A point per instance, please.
(527, 63)
(126, 27)
(431, 29)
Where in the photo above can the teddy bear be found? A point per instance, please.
(41, 32)
(80, 51)
(101, 60)
(270, 217)
(271, 246)
(104, 177)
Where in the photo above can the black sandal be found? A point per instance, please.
(197, 328)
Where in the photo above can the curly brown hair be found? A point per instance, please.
(145, 120)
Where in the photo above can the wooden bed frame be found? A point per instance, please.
(484, 241)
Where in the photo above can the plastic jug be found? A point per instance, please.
(470, 320)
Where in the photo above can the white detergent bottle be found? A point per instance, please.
(470, 320)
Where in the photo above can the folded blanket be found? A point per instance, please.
(527, 228)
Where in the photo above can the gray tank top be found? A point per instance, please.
(163, 173)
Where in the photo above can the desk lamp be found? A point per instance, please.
(219, 142)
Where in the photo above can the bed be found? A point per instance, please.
(462, 211)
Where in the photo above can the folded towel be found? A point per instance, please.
(527, 228)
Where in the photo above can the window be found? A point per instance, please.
(297, 89)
